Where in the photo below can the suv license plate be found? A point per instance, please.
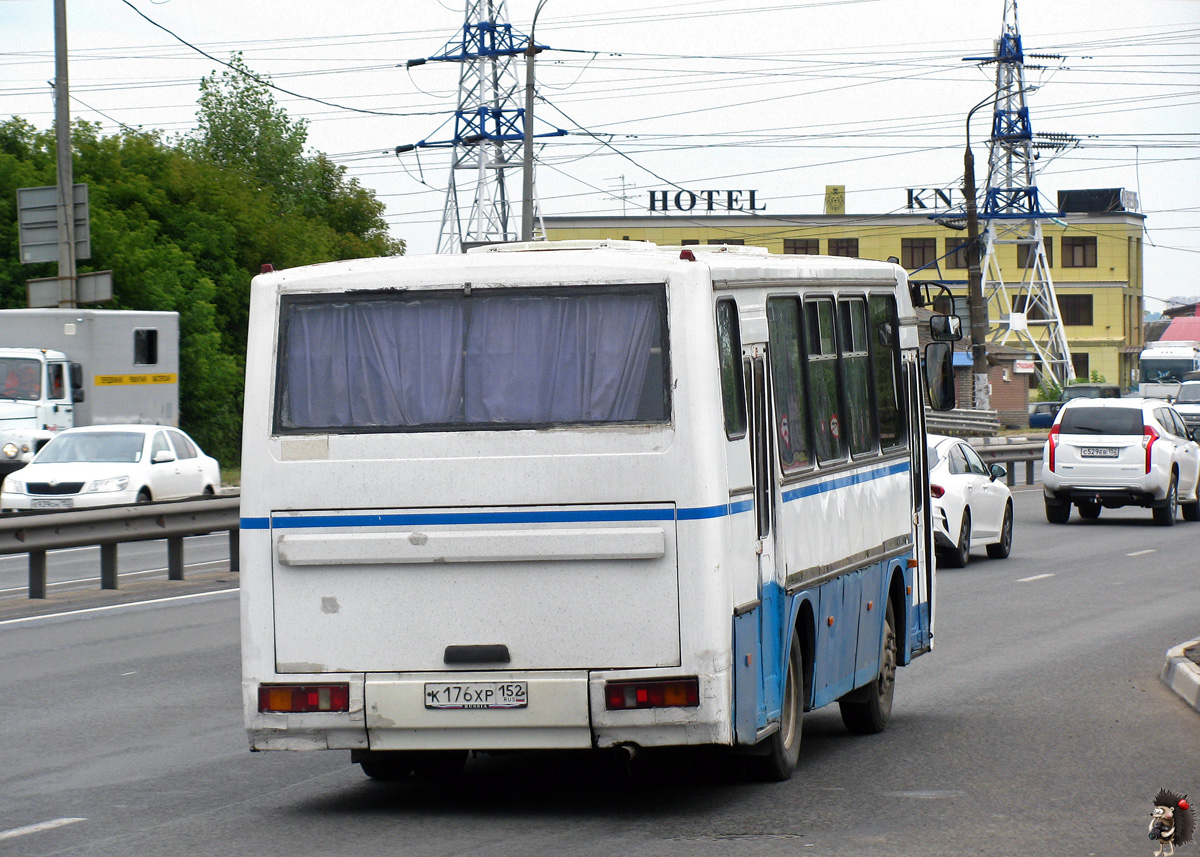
(477, 694)
(1099, 452)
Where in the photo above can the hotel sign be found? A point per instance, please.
(935, 198)
(705, 200)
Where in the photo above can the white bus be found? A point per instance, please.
(580, 495)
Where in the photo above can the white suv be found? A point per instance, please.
(1120, 452)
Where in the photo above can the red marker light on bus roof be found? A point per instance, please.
(687, 255)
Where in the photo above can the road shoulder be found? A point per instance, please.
(76, 600)
(1181, 672)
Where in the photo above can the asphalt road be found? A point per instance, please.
(1038, 725)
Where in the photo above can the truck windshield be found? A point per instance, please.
(21, 378)
(495, 358)
(1157, 370)
(93, 446)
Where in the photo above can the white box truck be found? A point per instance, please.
(61, 368)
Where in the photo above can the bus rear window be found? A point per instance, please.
(494, 358)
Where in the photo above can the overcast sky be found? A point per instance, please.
(780, 97)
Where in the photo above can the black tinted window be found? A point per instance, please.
(1101, 421)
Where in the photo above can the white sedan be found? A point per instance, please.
(110, 465)
(971, 505)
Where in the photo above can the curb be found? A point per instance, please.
(1182, 675)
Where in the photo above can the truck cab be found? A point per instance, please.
(39, 389)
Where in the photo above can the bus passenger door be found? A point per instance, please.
(921, 599)
(770, 594)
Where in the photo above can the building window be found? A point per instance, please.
(1079, 362)
(802, 246)
(956, 253)
(689, 242)
(1079, 251)
(1076, 309)
(843, 247)
(737, 241)
(1026, 255)
(917, 252)
(145, 346)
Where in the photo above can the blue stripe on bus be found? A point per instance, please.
(698, 513)
(815, 488)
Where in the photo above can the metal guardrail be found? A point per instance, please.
(1029, 452)
(38, 532)
(962, 421)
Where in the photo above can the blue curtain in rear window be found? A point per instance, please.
(498, 359)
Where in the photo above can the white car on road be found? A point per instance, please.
(1120, 452)
(971, 505)
(110, 465)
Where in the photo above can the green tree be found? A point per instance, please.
(185, 224)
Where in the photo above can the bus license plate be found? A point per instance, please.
(63, 503)
(476, 694)
(1099, 452)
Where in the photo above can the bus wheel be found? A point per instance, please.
(384, 766)
(867, 710)
(438, 764)
(775, 758)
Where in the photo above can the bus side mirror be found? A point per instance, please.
(939, 375)
(945, 328)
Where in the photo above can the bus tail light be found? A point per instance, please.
(936, 490)
(298, 698)
(1149, 435)
(1052, 439)
(652, 693)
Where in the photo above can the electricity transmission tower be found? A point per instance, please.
(488, 129)
(1028, 306)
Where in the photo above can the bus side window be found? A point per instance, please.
(787, 382)
(856, 371)
(733, 389)
(823, 391)
(885, 360)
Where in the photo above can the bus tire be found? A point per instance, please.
(387, 767)
(776, 757)
(438, 764)
(867, 710)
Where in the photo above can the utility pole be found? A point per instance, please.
(531, 51)
(66, 178)
(975, 302)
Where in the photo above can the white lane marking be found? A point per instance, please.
(1035, 577)
(130, 607)
(1142, 553)
(37, 828)
(121, 576)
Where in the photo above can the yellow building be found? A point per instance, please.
(1095, 258)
